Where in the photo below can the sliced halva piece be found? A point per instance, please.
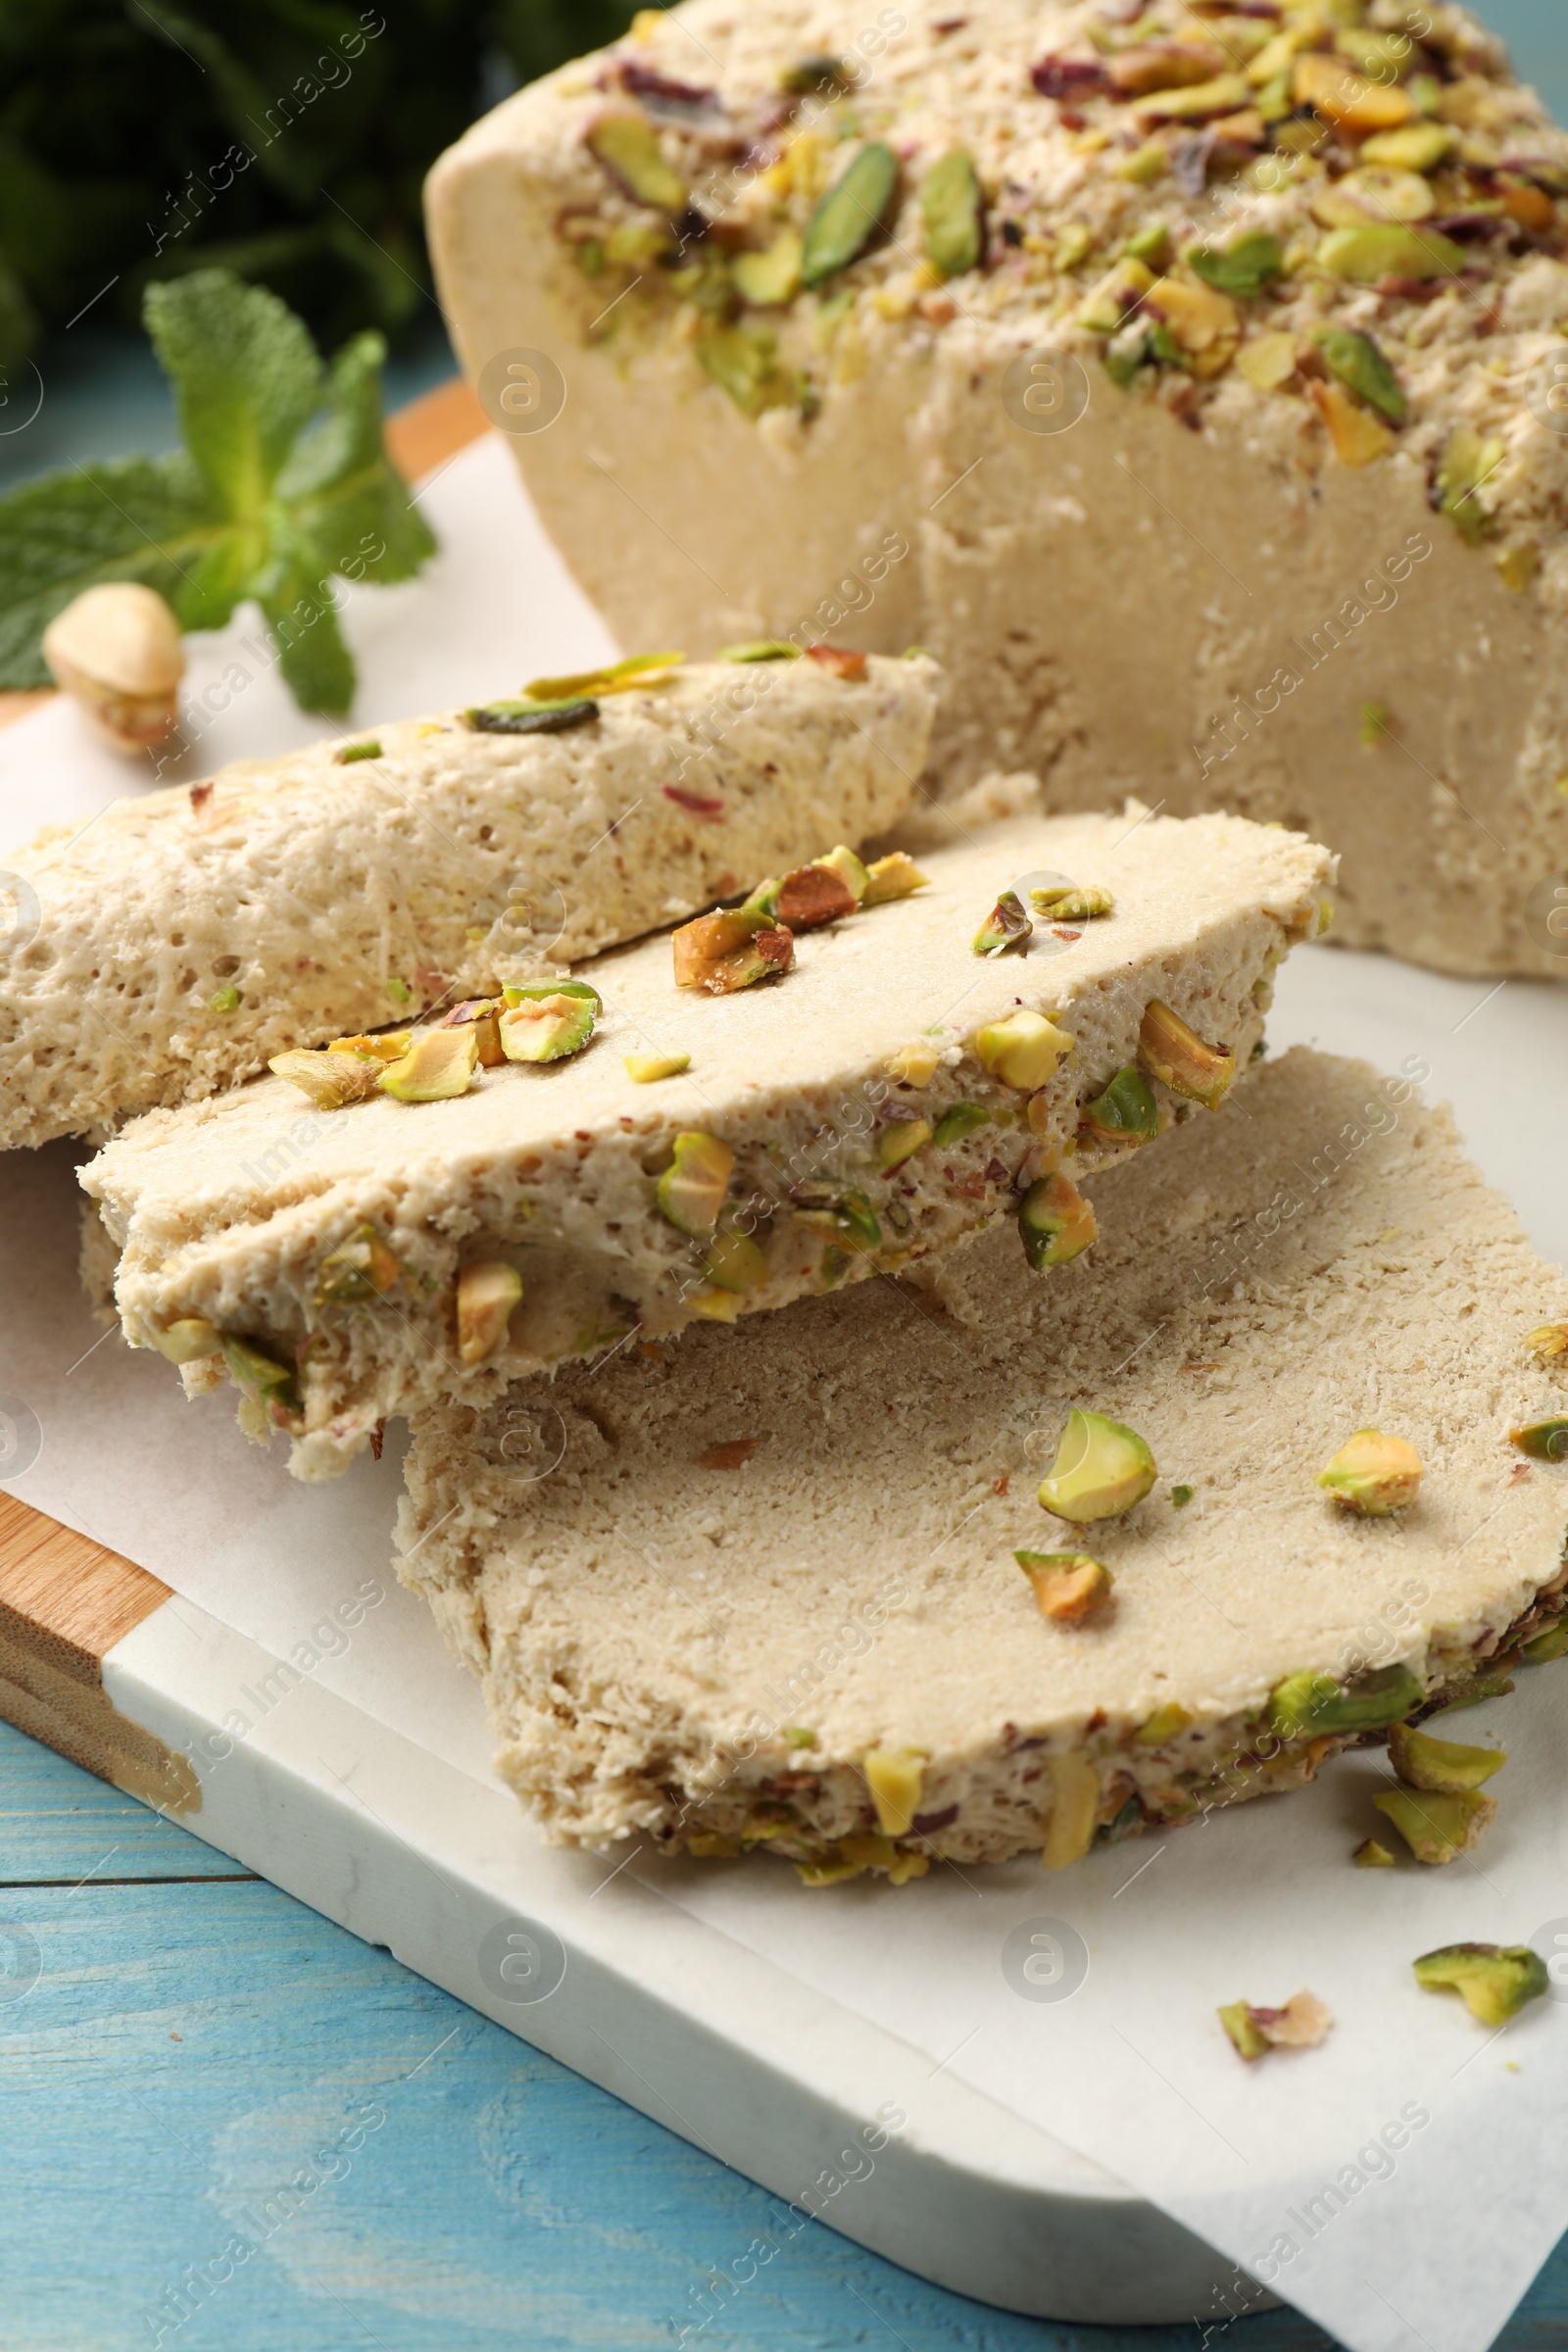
(760, 1590)
(887, 1097)
(185, 936)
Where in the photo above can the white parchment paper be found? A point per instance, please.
(1403, 2184)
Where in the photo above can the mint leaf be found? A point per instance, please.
(346, 500)
(310, 653)
(246, 379)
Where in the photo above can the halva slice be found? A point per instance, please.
(1189, 378)
(764, 1592)
(172, 946)
(851, 1088)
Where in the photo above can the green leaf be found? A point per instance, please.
(347, 502)
(300, 613)
(152, 519)
(246, 379)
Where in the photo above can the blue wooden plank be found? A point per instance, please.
(60, 1823)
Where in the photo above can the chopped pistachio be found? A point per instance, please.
(742, 361)
(531, 992)
(1193, 102)
(954, 209)
(399, 991)
(850, 872)
(1301, 2024)
(1494, 1981)
(725, 951)
(1267, 361)
(1358, 437)
(225, 999)
(760, 649)
(831, 1871)
(1243, 267)
(187, 1339)
(1101, 1470)
(814, 894)
(438, 1064)
(260, 1376)
(915, 1064)
(612, 678)
(691, 1192)
(361, 1268)
(1118, 294)
(1360, 365)
(331, 1080)
(1347, 99)
(1364, 256)
(895, 1776)
(487, 1293)
(879, 1853)
(1074, 1808)
(1422, 1762)
(1151, 244)
(1175, 1054)
(481, 1016)
(797, 1734)
(1414, 147)
(368, 749)
(1123, 1112)
(1165, 1724)
(645, 1069)
(1056, 1222)
(546, 1028)
(771, 278)
(1543, 1647)
(716, 1303)
(627, 144)
(1073, 901)
(1237, 2020)
(1373, 1475)
(736, 1262)
(760, 908)
(1437, 1828)
(1309, 1707)
(1370, 1855)
(894, 876)
(957, 1121)
(1477, 1690)
(382, 1044)
(531, 718)
(1203, 324)
(900, 1142)
(1023, 1048)
(1181, 1496)
(1067, 1584)
(1005, 930)
(712, 1845)
(849, 214)
(1543, 1440)
(847, 1215)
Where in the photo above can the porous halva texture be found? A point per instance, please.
(188, 935)
(709, 1587)
(817, 1082)
(1190, 379)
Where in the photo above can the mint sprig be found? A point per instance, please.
(283, 486)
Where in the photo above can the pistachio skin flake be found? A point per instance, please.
(1074, 1810)
(1101, 1469)
(1547, 1342)
(1543, 1440)
(847, 1215)
(487, 1293)
(851, 213)
(1244, 268)
(895, 1776)
(1072, 902)
(1373, 1475)
(1370, 1855)
(1307, 1705)
(1173, 1052)
(1438, 1828)
(1441, 1765)
(1123, 1112)
(691, 1192)
(627, 145)
(1007, 929)
(1067, 1584)
(1360, 366)
(646, 1069)
(189, 1339)
(957, 1121)
(331, 1081)
(438, 1064)
(895, 876)
(532, 719)
(814, 894)
(952, 206)
(1494, 1981)
(1056, 1223)
(1023, 1049)
(358, 1271)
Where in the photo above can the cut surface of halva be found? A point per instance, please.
(762, 1592)
(880, 1102)
(1189, 381)
(188, 935)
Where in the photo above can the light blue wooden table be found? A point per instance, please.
(179, 2042)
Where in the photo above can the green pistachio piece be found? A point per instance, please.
(358, 1270)
(530, 992)
(1237, 2020)
(1056, 1223)
(1494, 1981)
(961, 1119)
(438, 1064)
(1437, 1828)
(1007, 929)
(763, 904)
(1023, 1049)
(1543, 1647)
(1181, 1496)
(1477, 1691)
(742, 361)
(1124, 1111)
(190, 1338)
(1305, 1707)
(1173, 1052)
(760, 649)
(1369, 1855)
(817, 76)
(1415, 147)
(644, 1069)
(1067, 1584)
(487, 1293)
(1361, 366)
(1373, 1474)
(225, 999)
(546, 1028)
(627, 145)
(1422, 1762)
(1244, 268)
(1363, 256)
(847, 1215)
(900, 1142)
(531, 718)
(1071, 902)
(895, 876)
(1465, 465)
(612, 678)
(691, 1192)
(1152, 244)
(771, 278)
(358, 750)
(735, 1262)
(1543, 1440)
(331, 1080)
(260, 1376)
(954, 209)
(850, 871)
(1101, 1470)
(1166, 1723)
(849, 214)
